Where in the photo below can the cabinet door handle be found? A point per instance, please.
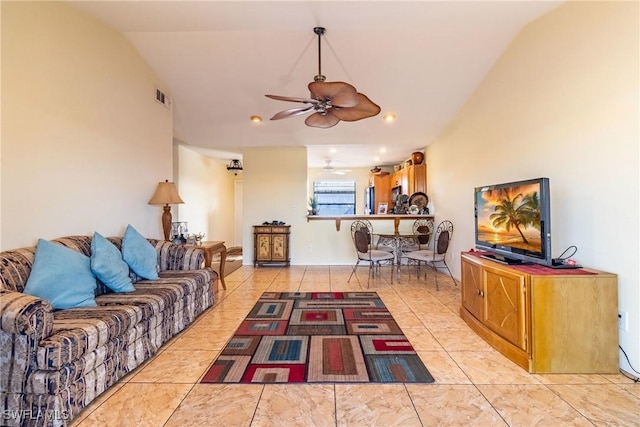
(481, 293)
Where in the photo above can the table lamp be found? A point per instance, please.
(166, 194)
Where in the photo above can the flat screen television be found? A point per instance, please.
(513, 221)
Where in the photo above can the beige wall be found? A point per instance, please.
(206, 187)
(84, 142)
(562, 102)
(275, 188)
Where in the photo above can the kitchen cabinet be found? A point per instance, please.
(381, 184)
(417, 179)
(412, 178)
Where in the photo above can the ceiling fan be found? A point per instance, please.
(329, 102)
(330, 169)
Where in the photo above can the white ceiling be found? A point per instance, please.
(217, 59)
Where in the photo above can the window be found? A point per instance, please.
(335, 197)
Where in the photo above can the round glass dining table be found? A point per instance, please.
(397, 241)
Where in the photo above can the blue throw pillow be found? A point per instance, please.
(62, 276)
(139, 254)
(108, 266)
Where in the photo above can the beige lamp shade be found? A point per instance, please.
(166, 194)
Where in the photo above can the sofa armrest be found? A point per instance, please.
(24, 321)
(173, 256)
(24, 314)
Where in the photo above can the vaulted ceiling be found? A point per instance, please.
(420, 60)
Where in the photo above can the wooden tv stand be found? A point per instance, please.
(544, 320)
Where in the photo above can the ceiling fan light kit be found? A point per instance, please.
(329, 102)
(330, 169)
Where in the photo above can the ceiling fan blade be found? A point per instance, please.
(291, 113)
(293, 99)
(365, 108)
(340, 93)
(318, 120)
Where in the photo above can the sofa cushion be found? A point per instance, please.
(157, 296)
(108, 266)
(190, 280)
(149, 301)
(62, 276)
(139, 254)
(80, 331)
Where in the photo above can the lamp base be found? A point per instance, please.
(166, 222)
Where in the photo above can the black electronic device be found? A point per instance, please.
(512, 221)
(564, 264)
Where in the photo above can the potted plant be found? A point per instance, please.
(313, 203)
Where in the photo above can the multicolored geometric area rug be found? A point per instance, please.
(318, 337)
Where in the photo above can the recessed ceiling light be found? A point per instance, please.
(383, 150)
(333, 150)
(376, 159)
(389, 117)
(256, 119)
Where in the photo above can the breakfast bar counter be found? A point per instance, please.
(395, 217)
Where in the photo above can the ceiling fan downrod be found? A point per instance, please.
(320, 32)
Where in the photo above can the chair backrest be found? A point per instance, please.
(362, 224)
(444, 232)
(359, 225)
(423, 229)
(361, 239)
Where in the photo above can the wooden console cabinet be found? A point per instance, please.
(545, 323)
(271, 244)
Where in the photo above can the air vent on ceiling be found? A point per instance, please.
(163, 99)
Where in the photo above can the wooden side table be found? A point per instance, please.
(212, 248)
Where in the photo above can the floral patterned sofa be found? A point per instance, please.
(53, 363)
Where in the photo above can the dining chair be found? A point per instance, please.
(365, 252)
(436, 257)
(422, 229)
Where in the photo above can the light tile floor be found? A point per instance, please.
(474, 384)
